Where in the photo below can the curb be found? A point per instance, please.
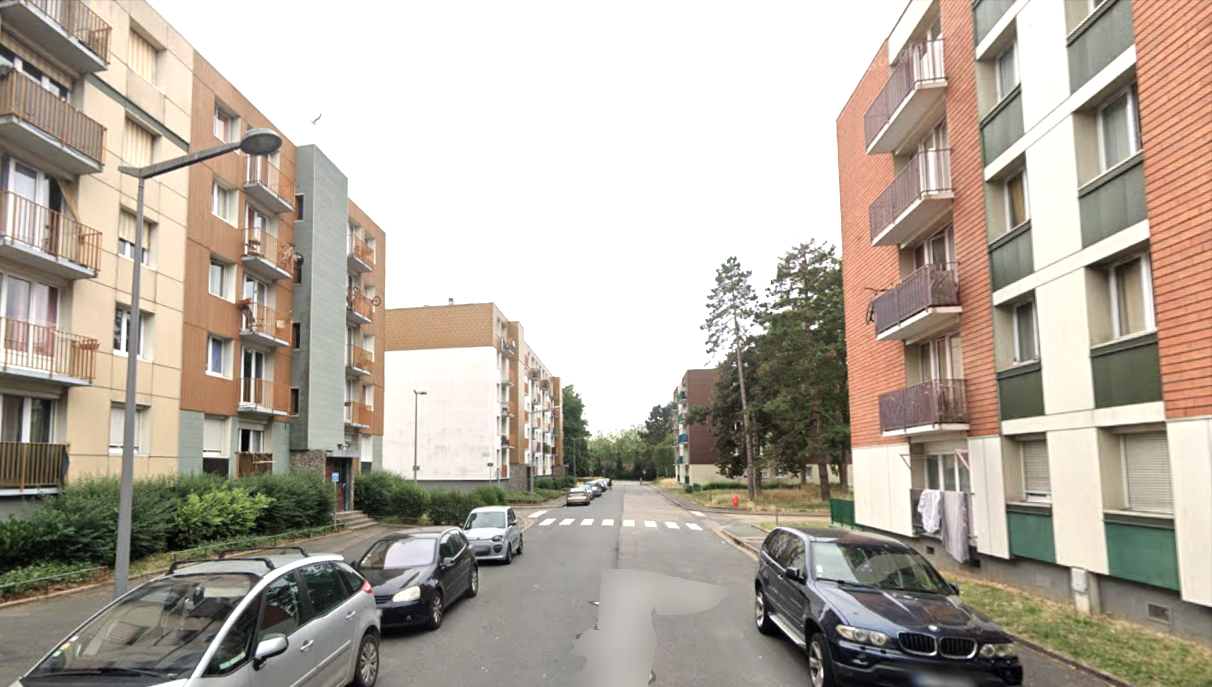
(741, 542)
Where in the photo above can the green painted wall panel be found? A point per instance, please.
(1021, 395)
(985, 14)
(1031, 536)
(1142, 554)
(1115, 204)
(1101, 40)
(1011, 260)
(1126, 376)
(1003, 128)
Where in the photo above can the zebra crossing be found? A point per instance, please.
(625, 524)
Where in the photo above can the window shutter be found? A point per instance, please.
(115, 426)
(1147, 467)
(212, 439)
(1036, 476)
(126, 226)
(137, 145)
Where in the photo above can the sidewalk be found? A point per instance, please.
(747, 536)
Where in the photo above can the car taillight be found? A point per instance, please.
(367, 588)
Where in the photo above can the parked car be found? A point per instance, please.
(418, 574)
(228, 621)
(494, 533)
(868, 608)
(578, 496)
(595, 489)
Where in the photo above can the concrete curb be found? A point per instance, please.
(738, 541)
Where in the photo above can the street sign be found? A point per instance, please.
(336, 477)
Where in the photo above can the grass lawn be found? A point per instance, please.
(1131, 653)
(787, 496)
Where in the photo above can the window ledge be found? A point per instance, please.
(1124, 343)
(1019, 369)
(1010, 235)
(1140, 518)
(1084, 25)
(1001, 104)
(1121, 168)
(1032, 507)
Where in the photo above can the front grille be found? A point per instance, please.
(383, 598)
(916, 643)
(957, 647)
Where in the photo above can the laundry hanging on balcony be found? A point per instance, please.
(930, 506)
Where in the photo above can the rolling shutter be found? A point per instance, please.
(1147, 471)
(212, 437)
(1037, 479)
(116, 428)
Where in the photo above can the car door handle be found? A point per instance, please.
(350, 614)
(306, 645)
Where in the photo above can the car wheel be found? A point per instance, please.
(366, 674)
(436, 611)
(474, 587)
(520, 544)
(820, 666)
(761, 616)
(508, 555)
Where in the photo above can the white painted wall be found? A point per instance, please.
(1077, 499)
(1040, 28)
(1064, 343)
(1052, 194)
(882, 482)
(1191, 470)
(989, 495)
(457, 434)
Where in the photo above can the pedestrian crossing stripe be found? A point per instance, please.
(629, 523)
(567, 521)
(693, 512)
(672, 525)
(649, 523)
(608, 522)
(587, 521)
(546, 522)
(535, 515)
(694, 527)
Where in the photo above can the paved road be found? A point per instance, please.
(520, 629)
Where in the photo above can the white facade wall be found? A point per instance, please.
(882, 482)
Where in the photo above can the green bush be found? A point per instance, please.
(20, 580)
(218, 515)
(20, 542)
(410, 502)
(375, 493)
(544, 483)
(488, 496)
(300, 500)
(447, 507)
(725, 485)
(199, 483)
(80, 523)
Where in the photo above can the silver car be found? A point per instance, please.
(494, 533)
(272, 621)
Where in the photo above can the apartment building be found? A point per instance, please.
(84, 89)
(694, 449)
(1028, 206)
(336, 395)
(482, 406)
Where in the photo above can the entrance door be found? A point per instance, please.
(337, 471)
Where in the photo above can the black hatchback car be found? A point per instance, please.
(418, 574)
(870, 610)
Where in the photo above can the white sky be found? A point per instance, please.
(586, 166)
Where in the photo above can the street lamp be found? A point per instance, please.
(416, 405)
(540, 412)
(254, 142)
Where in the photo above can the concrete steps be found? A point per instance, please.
(354, 520)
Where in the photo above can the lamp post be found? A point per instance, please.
(254, 142)
(416, 405)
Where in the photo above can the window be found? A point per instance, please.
(223, 202)
(325, 588)
(948, 471)
(299, 206)
(37, 75)
(126, 237)
(255, 220)
(213, 444)
(143, 56)
(117, 427)
(370, 246)
(296, 334)
(294, 400)
(1007, 71)
(1119, 129)
(220, 279)
(236, 647)
(283, 612)
(122, 332)
(1026, 344)
(1147, 472)
(218, 356)
(1015, 190)
(1131, 297)
(1037, 479)
(225, 125)
(137, 145)
(26, 419)
(252, 440)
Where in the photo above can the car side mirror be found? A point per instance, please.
(272, 645)
(793, 574)
(447, 562)
(954, 587)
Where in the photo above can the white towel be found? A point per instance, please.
(955, 525)
(930, 508)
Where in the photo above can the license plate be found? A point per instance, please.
(942, 680)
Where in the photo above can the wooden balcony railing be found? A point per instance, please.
(263, 319)
(45, 349)
(937, 402)
(360, 250)
(359, 413)
(25, 465)
(928, 287)
(361, 358)
(253, 462)
(24, 221)
(259, 393)
(77, 19)
(261, 170)
(27, 100)
(357, 302)
(920, 63)
(927, 172)
(262, 244)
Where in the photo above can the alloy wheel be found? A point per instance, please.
(368, 663)
(816, 665)
(759, 610)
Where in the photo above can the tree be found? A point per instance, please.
(576, 427)
(731, 307)
(658, 426)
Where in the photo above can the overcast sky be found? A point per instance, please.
(585, 165)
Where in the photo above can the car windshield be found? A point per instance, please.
(396, 554)
(162, 628)
(875, 565)
(485, 519)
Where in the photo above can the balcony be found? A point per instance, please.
(253, 462)
(35, 351)
(358, 308)
(266, 256)
(263, 397)
(926, 302)
(264, 326)
(49, 130)
(939, 405)
(265, 185)
(914, 202)
(27, 468)
(358, 415)
(911, 101)
(47, 240)
(360, 362)
(64, 29)
(361, 257)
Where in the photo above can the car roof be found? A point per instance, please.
(420, 533)
(490, 509)
(843, 536)
(257, 566)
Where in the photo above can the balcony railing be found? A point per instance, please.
(22, 97)
(266, 184)
(259, 243)
(926, 173)
(27, 466)
(358, 303)
(937, 402)
(264, 395)
(361, 358)
(253, 462)
(264, 320)
(361, 250)
(921, 63)
(78, 20)
(24, 221)
(42, 348)
(359, 413)
(929, 287)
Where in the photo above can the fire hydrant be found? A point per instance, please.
(736, 501)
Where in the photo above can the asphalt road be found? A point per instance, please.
(521, 628)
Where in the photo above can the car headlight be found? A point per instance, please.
(409, 594)
(498, 538)
(858, 634)
(1006, 650)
